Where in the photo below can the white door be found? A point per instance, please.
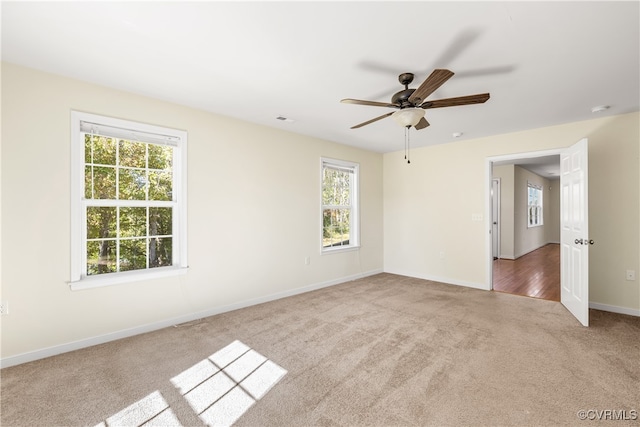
(574, 231)
(495, 217)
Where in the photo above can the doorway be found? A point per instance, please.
(525, 226)
(573, 188)
(536, 274)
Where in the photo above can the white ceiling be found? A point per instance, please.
(544, 63)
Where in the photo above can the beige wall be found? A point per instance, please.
(528, 239)
(552, 217)
(428, 206)
(253, 215)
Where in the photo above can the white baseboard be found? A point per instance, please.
(615, 309)
(88, 342)
(528, 251)
(446, 280)
(594, 305)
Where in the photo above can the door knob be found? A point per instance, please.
(584, 242)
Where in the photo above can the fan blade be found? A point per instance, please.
(371, 121)
(433, 82)
(423, 123)
(371, 103)
(461, 100)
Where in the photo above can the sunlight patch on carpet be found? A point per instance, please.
(223, 387)
(151, 410)
(219, 389)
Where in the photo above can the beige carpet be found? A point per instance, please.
(385, 350)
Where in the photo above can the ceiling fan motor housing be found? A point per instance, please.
(402, 98)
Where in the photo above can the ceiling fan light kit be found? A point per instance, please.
(408, 117)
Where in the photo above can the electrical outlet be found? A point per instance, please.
(631, 275)
(307, 260)
(4, 307)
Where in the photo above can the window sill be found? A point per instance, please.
(126, 277)
(330, 250)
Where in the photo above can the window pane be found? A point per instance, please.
(101, 257)
(534, 205)
(133, 254)
(160, 221)
(160, 185)
(87, 148)
(133, 222)
(132, 184)
(104, 150)
(160, 157)
(88, 181)
(327, 188)
(336, 227)
(336, 187)
(344, 224)
(160, 252)
(103, 179)
(101, 222)
(133, 154)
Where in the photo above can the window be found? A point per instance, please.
(534, 211)
(128, 201)
(340, 217)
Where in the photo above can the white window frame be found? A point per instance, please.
(354, 226)
(539, 207)
(136, 131)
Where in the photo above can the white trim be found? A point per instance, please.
(336, 249)
(527, 155)
(615, 309)
(125, 333)
(480, 286)
(77, 216)
(528, 251)
(445, 280)
(488, 208)
(126, 277)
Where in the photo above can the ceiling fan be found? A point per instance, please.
(411, 103)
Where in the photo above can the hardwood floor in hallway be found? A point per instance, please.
(536, 274)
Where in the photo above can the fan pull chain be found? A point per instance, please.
(406, 136)
(408, 149)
